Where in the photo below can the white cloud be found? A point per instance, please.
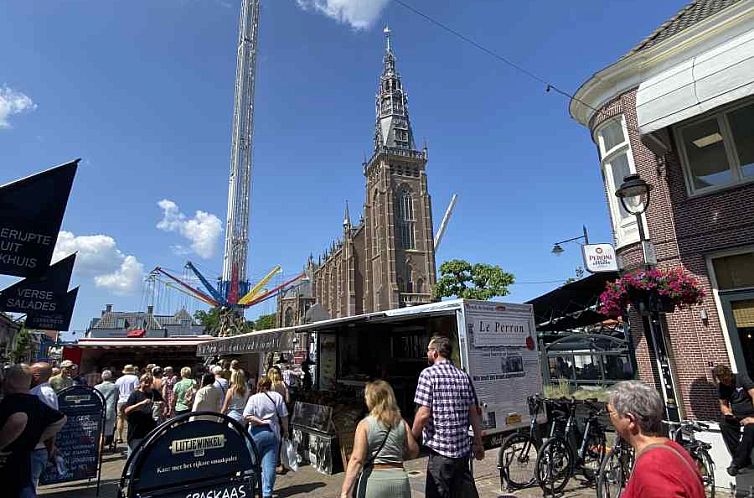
(359, 14)
(100, 259)
(13, 102)
(203, 230)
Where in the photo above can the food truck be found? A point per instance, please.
(494, 342)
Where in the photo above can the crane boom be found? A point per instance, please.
(445, 219)
(239, 187)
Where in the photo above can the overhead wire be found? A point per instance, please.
(501, 58)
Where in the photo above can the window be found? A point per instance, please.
(617, 163)
(406, 219)
(734, 272)
(718, 150)
(288, 319)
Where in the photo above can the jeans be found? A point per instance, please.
(267, 446)
(38, 464)
(449, 478)
(132, 445)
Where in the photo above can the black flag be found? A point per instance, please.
(31, 211)
(54, 320)
(39, 294)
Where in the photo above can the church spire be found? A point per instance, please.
(393, 129)
(346, 218)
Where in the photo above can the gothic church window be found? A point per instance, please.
(288, 319)
(406, 219)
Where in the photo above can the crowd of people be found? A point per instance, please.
(447, 414)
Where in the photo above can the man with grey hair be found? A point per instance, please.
(110, 392)
(663, 467)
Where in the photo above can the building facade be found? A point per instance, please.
(386, 260)
(678, 110)
(116, 324)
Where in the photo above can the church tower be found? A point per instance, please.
(399, 267)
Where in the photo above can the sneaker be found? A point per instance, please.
(732, 470)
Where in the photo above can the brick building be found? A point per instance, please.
(678, 109)
(387, 259)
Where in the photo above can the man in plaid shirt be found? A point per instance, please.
(446, 408)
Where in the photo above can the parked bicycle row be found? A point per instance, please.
(574, 443)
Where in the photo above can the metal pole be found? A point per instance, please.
(586, 235)
(662, 361)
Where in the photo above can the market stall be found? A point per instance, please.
(492, 341)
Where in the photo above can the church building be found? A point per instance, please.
(387, 259)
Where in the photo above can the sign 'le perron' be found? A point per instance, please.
(31, 211)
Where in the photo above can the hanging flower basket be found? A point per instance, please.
(650, 290)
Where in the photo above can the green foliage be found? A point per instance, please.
(265, 322)
(22, 348)
(209, 319)
(478, 281)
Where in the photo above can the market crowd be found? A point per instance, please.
(447, 423)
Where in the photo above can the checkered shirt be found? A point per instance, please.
(446, 390)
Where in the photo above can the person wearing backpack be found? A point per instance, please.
(382, 440)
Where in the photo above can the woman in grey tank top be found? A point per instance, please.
(382, 441)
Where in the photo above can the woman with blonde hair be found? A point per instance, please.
(236, 397)
(382, 440)
(277, 383)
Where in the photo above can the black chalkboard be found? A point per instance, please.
(78, 440)
(194, 456)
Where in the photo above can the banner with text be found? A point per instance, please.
(60, 319)
(31, 211)
(44, 293)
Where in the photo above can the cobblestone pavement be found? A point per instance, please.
(310, 483)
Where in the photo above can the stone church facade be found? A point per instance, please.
(387, 259)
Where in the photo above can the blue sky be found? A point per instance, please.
(142, 91)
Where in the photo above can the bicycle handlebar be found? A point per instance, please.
(693, 425)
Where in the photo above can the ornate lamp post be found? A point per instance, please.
(634, 197)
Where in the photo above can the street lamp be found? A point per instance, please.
(557, 249)
(634, 197)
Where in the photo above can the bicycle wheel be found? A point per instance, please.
(554, 465)
(614, 472)
(594, 454)
(517, 460)
(707, 470)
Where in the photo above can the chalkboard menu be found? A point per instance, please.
(78, 440)
(195, 459)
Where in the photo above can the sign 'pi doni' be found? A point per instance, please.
(31, 212)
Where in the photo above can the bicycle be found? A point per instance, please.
(518, 453)
(699, 450)
(615, 469)
(563, 454)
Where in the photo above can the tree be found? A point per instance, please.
(209, 319)
(478, 281)
(265, 322)
(22, 347)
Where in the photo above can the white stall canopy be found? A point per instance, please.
(715, 77)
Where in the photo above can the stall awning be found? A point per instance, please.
(282, 339)
(718, 76)
(188, 342)
(254, 342)
(571, 300)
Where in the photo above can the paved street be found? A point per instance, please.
(308, 482)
